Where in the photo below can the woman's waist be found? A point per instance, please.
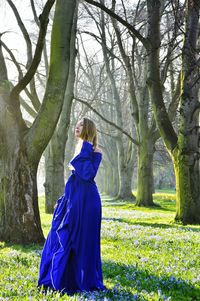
(76, 177)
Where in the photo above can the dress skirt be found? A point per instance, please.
(71, 257)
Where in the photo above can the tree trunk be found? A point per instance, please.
(125, 172)
(186, 155)
(54, 173)
(187, 188)
(184, 150)
(19, 213)
(113, 180)
(55, 151)
(140, 111)
(114, 190)
(125, 184)
(145, 174)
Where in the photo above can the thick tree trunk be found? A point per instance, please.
(19, 213)
(125, 183)
(187, 188)
(186, 155)
(20, 219)
(184, 150)
(145, 174)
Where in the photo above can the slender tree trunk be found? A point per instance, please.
(125, 173)
(109, 175)
(115, 182)
(55, 151)
(105, 179)
(140, 112)
(145, 180)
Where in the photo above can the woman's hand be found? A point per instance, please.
(98, 150)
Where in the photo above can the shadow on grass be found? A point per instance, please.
(150, 224)
(22, 248)
(139, 279)
(127, 204)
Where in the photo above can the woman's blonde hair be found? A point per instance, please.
(89, 131)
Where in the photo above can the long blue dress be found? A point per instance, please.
(71, 259)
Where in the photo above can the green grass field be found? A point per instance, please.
(145, 256)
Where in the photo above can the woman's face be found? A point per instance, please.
(78, 128)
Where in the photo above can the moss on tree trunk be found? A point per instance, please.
(187, 190)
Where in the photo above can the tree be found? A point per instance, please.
(132, 56)
(183, 146)
(55, 151)
(125, 159)
(23, 146)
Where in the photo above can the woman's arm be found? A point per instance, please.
(86, 163)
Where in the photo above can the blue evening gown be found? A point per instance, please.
(71, 257)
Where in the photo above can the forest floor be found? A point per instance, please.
(145, 256)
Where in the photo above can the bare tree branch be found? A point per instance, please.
(131, 28)
(38, 52)
(17, 65)
(107, 121)
(24, 32)
(37, 21)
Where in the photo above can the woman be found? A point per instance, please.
(71, 260)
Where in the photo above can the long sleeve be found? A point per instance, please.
(86, 163)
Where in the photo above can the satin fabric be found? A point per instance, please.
(71, 259)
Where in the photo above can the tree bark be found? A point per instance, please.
(125, 172)
(145, 174)
(19, 213)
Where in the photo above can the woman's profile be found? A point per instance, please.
(71, 257)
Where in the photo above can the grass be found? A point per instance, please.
(145, 256)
